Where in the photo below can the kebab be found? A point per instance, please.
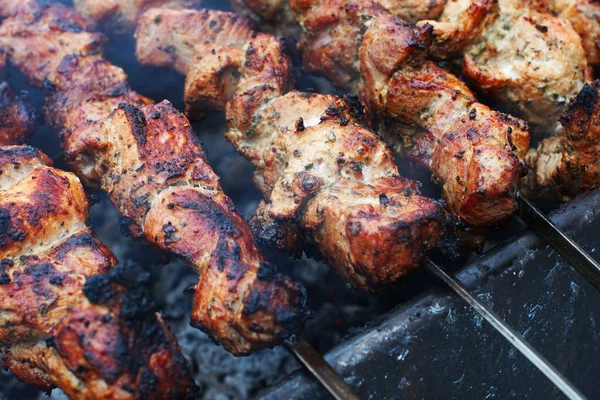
(261, 122)
(509, 334)
(148, 160)
(322, 173)
(68, 316)
(468, 146)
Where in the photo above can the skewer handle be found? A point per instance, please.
(561, 243)
(321, 370)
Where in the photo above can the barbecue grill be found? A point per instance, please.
(417, 340)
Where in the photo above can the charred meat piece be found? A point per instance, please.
(474, 153)
(566, 165)
(67, 318)
(148, 160)
(322, 173)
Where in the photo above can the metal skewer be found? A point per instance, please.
(560, 242)
(321, 370)
(509, 333)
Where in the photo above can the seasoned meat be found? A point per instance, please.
(40, 40)
(273, 16)
(148, 160)
(460, 22)
(566, 165)
(122, 15)
(531, 63)
(474, 153)
(67, 318)
(322, 173)
(584, 15)
(277, 15)
(414, 10)
(17, 118)
(163, 35)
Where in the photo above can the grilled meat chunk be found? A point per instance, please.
(584, 15)
(147, 159)
(474, 153)
(460, 22)
(414, 10)
(122, 15)
(566, 165)
(17, 118)
(273, 16)
(322, 173)
(531, 63)
(66, 319)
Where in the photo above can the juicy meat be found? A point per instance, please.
(17, 118)
(460, 22)
(474, 153)
(163, 35)
(414, 10)
(123, 14)
(531, 63)
(584, 15)
(566, 165)
(63, 321)
(322, 173)
(148, 160)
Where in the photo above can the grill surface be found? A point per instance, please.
(432, 346)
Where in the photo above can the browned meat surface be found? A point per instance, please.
(273, 16)
(531, 63)
(460, 22)
(322, 173)
(147, 159)
(414, 10)
(123, 14)
(65, 320)
(17, 119)
(566, 165)
(474, 153)
(584, 15)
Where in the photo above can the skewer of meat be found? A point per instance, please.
(474, 152)
(148, 160)
(68, 316)
(322, 173)
(273, 130)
